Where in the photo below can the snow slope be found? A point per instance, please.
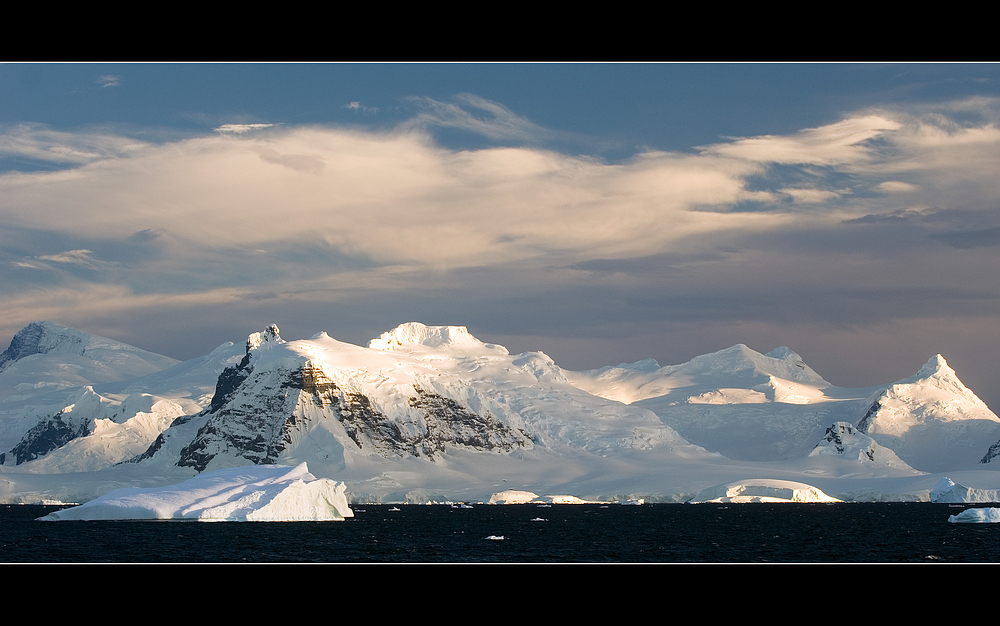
(47, 355)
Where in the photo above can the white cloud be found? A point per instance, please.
(240, 129)
(810, 196)
(36, 141)
(833, 144)
(391, 197)
(897, 186)
(477, 115)
(78, 258)
(361, 108)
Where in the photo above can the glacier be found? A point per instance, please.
(262, 493)
(431, 413)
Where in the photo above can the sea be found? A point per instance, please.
(886, 532)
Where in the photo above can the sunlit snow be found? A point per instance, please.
(262, 493)
(762, 490)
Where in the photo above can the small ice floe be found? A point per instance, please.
(495, 537)
(978, 515)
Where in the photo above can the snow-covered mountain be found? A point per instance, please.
(417, 392)
(71, 401)
(931, 419)
(772, 407)
(46, 355)
(431, 412)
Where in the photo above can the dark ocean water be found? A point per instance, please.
(657, 533)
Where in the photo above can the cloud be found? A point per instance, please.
(981, 238)
(361, 108)
(109, 80)
(896, 186)
(76, 257)
(476, 115)
(854, 223)
(240, 129)
(396, 198)
(36, 141)
(833, 144)
(79, 258)
(808, 196)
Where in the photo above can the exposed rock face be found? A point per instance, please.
(23, 344)
(865, 422)
(844, 439)
(250, 423)
(273, 410)
(259, 413)
(46, 436)
(992, 453)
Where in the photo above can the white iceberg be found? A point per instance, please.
(561, 500)
(762, 490)
(256, 493)
(947, 490)
(512, 496)
(977, 516)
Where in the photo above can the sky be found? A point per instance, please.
(602, 213)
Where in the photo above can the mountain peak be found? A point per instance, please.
(48, 337)
(935, 366)
(785, 354)
(414, 335)
(267, 337)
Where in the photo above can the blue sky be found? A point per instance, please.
(601, 213)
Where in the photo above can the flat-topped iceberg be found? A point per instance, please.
(512, 496)
(762, 490)
(256, 493)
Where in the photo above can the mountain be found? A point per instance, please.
(746, 405)
(432, 395)
(931, 419)
(433, 413)
(844, 439)
(72, 402)
(734, 375)
(47, 355)
(772, 407)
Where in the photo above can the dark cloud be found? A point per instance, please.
(983, 238)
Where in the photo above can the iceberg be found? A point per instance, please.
(257, 493)
(512, 496)
(977, 516)
(762, 490)
(947, 490)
